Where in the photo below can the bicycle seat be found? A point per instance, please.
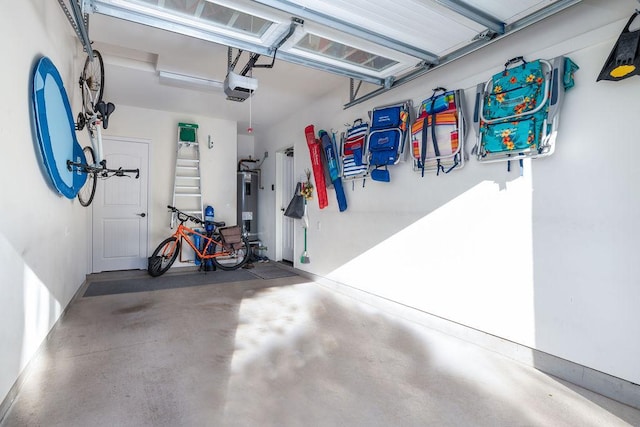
(105, 110)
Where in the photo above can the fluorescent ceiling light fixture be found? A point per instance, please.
(189, 82)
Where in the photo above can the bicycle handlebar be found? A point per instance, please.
(120, 172)
(182, 217)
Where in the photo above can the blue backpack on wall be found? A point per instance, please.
(390, 126)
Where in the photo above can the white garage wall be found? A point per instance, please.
(217, 165)
(546, 259)
(246, 147)
(37, 278)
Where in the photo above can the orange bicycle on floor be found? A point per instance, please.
(226, 247)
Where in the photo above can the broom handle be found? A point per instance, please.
(305, 239)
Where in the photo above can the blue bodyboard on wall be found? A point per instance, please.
(55, 129)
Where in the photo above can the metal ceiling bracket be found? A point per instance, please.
(88, 6)
(231, 64)
(79, 22)
(292, 29)
(348, 28)
(485, 35)
(252, 63)
(353, 93)
(72, 21)
(476, 15)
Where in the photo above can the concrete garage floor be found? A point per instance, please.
(279, 352)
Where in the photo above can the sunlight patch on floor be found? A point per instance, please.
(271, 318)
(40, 307)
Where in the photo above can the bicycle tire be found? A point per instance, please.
(88, 190)
(164, 256)
(93, 75)
(236, 259)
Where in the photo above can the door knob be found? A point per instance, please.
(142, 214)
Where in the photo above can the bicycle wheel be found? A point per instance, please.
(88, 190)
(92, 81)
(231, 259)
(164, 256)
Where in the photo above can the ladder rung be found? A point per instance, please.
(194, 168)
(188, 195)
(188, 160)
(187, 187)
(187, 177)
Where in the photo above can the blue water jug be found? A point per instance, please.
(197, 243)
(208, 219)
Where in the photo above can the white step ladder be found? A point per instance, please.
(187, 189)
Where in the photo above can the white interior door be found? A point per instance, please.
(120, 221)
(288, 187)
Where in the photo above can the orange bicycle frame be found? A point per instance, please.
(183, 232)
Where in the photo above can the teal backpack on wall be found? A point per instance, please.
(517, 110)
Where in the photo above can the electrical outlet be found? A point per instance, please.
(318, 225)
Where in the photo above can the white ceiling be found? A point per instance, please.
(135, 53)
